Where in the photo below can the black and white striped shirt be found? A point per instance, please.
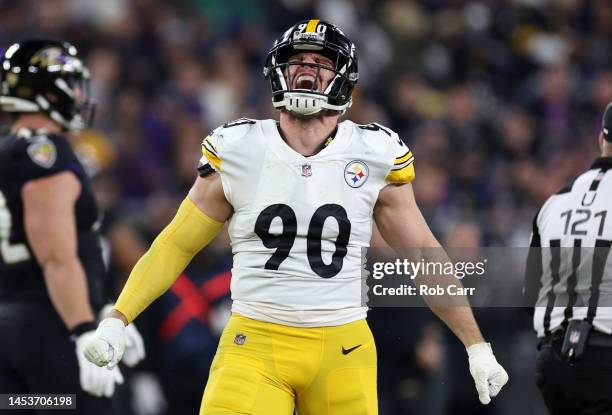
(570, 267)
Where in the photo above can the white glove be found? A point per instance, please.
(147, 394)
(489, 376)
(134, 345)
(107, 345)
(95, 380)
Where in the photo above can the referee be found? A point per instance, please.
(569, 279)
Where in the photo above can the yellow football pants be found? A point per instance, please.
(270, 369)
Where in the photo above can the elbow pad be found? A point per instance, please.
(189, 232)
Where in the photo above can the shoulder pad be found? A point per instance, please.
(239, 121)
(401, 168)
(219, 140)
(233, 130)
(377, 128)
(381, 132)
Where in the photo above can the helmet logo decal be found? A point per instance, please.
(12, 79)
(310, 32)
(48, 57)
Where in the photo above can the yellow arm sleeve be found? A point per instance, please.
(189, 232)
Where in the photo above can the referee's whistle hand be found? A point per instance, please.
(489, 376)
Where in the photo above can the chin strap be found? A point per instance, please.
(307, 104)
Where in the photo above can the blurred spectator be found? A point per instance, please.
(499, 104)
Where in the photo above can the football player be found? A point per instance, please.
(51, 267)
(300, 195)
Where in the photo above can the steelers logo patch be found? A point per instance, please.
(356, 173)
(43, 152)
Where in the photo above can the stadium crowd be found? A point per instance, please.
(499, 101)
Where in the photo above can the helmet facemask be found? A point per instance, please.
(77, 87)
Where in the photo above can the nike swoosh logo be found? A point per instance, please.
(347, 351)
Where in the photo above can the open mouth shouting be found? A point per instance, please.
(310, 72)
(306, 81)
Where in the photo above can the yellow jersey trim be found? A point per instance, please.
(404, 158)
(210, 153)
(404, 175)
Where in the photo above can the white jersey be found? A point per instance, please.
(299, 223)
(573, 282)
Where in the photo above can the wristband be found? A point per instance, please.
(82, 328)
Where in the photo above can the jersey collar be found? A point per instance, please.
(276, 143)
(604, 163)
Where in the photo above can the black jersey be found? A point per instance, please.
(28, 156)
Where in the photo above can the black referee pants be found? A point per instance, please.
(580, 388)
(36, 356)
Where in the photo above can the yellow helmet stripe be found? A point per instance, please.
(312, 25)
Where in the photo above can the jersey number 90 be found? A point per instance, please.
(284, 241)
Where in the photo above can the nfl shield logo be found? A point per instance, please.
(574, 336)
(240, 339)
(306, 170)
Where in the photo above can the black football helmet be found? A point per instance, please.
(319, 37)
(606, 123)
(46, 76)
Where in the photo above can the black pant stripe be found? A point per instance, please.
(600, 257)
(572, 281)
(555, 264)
